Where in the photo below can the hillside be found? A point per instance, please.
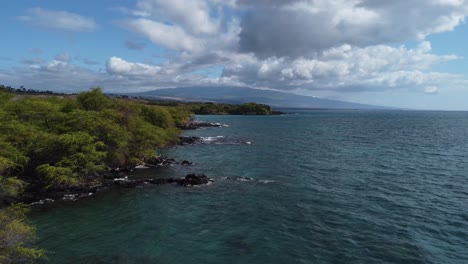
(237, 95)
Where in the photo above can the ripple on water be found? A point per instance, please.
(315, 187)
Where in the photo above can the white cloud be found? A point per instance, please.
(344, 68)
(194, 15)
(61, 20)
(55, 66)
(431, 90)
(331, 71)
(118, 66)
(169, 36)
(146, 77)
(314, 46)
(300, 28)
(53, 75)
(192, 27)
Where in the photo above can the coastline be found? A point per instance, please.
(120, 176)
(117, 179)
(81, 143)
(66, 148)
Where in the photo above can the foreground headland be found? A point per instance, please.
(64, 147)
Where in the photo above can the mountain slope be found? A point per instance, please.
(237, 95)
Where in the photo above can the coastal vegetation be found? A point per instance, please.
(53, 142)
(49, 143)
(59, 142)
(199, 108)
(228, 109)
(211, 108)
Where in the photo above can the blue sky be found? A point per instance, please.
(402, 53)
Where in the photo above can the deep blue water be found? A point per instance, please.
(329, 187)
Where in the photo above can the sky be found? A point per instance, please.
(400, 53)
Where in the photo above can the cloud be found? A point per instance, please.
(54, 75)
(345, 68)
(265, 3)
(60, 20)
(119, 76)
(431, 90)
(132, 45)
(300, 28)
(118, 66)
(336, 70)
(194, 16)
(169, 36)
(190, 27)
(55, 66)
(319, 46)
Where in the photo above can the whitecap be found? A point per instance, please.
(266, 181)
(121, 179)
(210, 139)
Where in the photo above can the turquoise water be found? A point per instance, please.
(329, 187)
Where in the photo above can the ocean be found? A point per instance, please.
(318, 186)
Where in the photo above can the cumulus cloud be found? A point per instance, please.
(298, 28)
(61, 20)
(53, 75)
(141, 76)
(170, 36)
(192, 15)
(307, 45)
(118, 66)
(334, 70)
(191, 27)
(342, 68)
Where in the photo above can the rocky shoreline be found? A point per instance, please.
(76, 193)
(119, 177)
(189, 180)
(189, 140)
(199, 124)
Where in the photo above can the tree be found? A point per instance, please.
(15, 234)
(57, 142)
(11, 163)
(93, 100)
(157, 116)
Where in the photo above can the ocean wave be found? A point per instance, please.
(224, 140)
(211, 139)
(247, 179)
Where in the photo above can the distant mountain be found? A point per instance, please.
(236, 95)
